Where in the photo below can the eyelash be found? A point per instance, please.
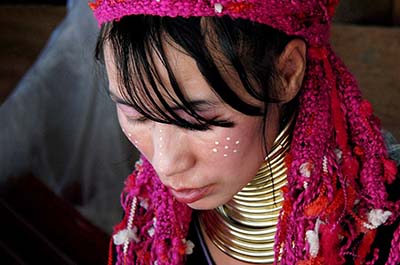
(134, 121)
(142, 120)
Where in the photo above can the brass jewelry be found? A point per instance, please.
(244, 228)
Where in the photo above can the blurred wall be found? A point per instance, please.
(24, 31)
(370, 12)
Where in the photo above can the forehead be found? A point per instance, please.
(184, 68)
(191, 82)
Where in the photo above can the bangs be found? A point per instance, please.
(136, 40)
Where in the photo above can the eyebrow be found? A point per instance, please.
(198, 105)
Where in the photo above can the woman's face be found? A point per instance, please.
(203, 169)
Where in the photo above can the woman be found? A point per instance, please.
(243, 113)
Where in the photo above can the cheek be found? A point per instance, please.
(136, 136)
(226, 146)
(234, 143)
(129, 135)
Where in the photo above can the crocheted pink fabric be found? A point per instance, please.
(308, 19)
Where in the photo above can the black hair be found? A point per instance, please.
(250, 48)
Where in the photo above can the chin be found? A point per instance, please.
(201, 207)
(207, 203)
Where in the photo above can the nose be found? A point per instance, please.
(172, 155)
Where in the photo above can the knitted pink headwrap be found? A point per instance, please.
(337, 166)
(307, 19)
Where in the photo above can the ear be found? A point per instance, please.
(291, 68)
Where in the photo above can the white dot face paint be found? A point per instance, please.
(160, 144)
(129, 136)
(226, 146)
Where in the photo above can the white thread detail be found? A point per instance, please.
(305, 171)
(125, 235)
(218, 7)
(144, 203)
(313, 239)
(151, 231)
(129, 228)
(325, 165)
(339, 155)
(189, 246)
(376, 217)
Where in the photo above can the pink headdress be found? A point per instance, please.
(307, 19)
(337, 165)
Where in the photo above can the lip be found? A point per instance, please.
(189, 195)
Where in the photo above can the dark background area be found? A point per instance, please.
(24, 30)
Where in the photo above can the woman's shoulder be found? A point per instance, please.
(393, 146)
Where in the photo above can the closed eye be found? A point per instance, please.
(205, 109)
(136, 120)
